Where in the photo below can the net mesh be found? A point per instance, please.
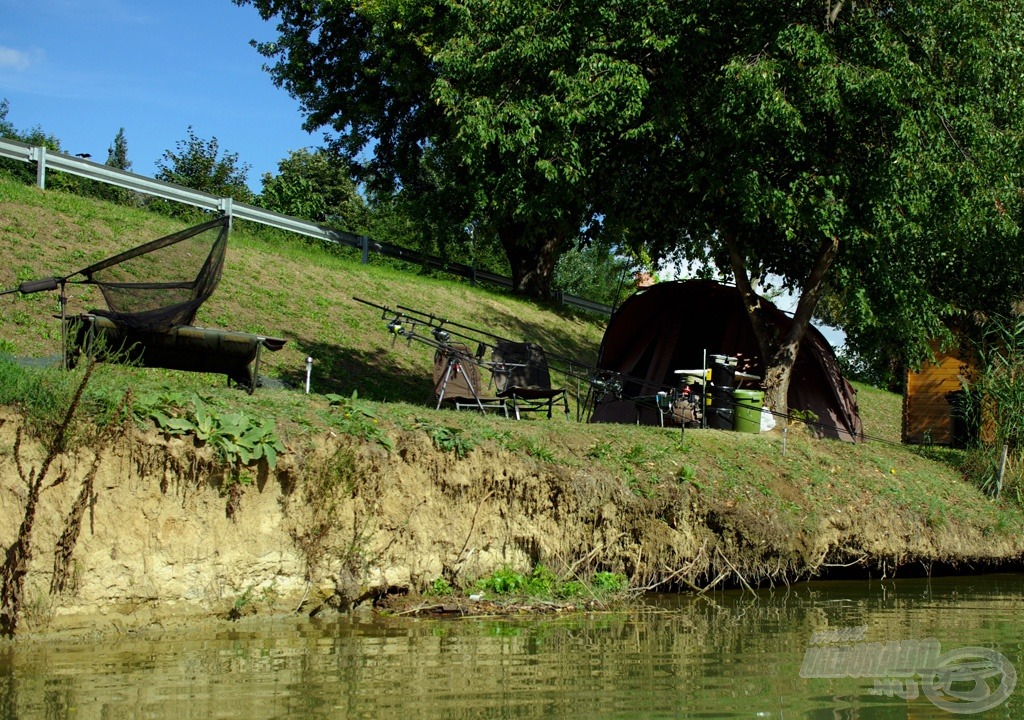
(161, 284)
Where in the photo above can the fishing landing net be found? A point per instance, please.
(161, 284)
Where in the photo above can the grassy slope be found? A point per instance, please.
(296, 290)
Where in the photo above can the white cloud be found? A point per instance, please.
(14, 59)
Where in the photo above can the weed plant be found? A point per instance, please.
(353, 416)
(41, 394)
(542, 583)
(996, 402)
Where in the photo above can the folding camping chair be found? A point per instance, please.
(521, 376)
(457, 380)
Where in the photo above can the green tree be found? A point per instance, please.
(6, 126)
(597, 272)
(35, 136)
(867, 150)
(496, 115)
(316, 186)
(117, 153)
(200, 165)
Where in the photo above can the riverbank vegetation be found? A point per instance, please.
(769, 508)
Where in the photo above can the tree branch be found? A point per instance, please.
(813, 289)
(751, 300)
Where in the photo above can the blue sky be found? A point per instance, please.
(83, 70)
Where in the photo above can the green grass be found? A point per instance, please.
(374, 387)
(288, 287)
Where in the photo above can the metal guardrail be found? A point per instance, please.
(50, 160)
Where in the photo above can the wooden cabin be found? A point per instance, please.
(929, 399)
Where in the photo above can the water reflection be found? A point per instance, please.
(729, 655)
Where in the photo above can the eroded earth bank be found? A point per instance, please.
(164, 535)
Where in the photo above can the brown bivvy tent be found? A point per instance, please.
(675, 325)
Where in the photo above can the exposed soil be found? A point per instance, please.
(340, 523)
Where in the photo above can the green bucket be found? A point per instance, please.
(748, 410)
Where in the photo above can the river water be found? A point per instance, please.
(923, 648)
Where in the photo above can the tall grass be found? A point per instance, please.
(996, 403)
(40, 393)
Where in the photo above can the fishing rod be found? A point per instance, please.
(445, 321)
(402, 325)
(458, 362)
(601, 383)
(550, 356)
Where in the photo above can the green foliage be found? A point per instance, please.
(447, 439)
(995, 399)
(440, 587)
(36, 136)
(490, 117)
(6, 126)
(542, 582)
(808, 417)
(40, 393)
(316, 186)
(199, 164)
(117, 153)
(531, 446)
(236, 438)
(687, 473)
(597, 273)
(609, 582)
(635, 454)
(147, 407)
(358, 418)
(159, 406)
(503, 582)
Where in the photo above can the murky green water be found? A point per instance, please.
(726, 656)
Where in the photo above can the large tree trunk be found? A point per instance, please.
(532, 262)
(779, 353)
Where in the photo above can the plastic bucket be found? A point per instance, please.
(747, 417)
(720, 414)
(723, 371)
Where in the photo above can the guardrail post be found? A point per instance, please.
(39, 155)
(364, 243)
(224, 205)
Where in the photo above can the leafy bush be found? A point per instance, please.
(357, 418)
(995, 399)
(503, 582)
(440, 587)
(236, 438)
(542, 582)
(610, 582)
(447, 439)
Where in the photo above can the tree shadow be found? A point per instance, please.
(563, 342)
(344, 370)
